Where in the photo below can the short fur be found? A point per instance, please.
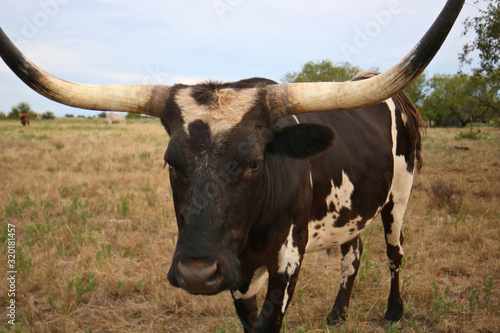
(415, 125)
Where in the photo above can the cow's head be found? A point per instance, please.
(220, 136)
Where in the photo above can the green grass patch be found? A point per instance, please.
(473, 135)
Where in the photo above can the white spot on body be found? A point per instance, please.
(394, 268)
(404, 117)
(401, 189)
(341, 196)
(288, 261)
(347, 266)
(285, 299)
(288, 256)
(322, 233)
(394, 131)
(228, 110)
(260, 276)
(402, 181)
(329, 236)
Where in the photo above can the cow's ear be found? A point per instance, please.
(301, 141)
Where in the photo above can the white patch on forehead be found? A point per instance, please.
(228, 110)
(260, 276)
(288, 257)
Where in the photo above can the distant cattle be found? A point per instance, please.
(25, 119)
(37, 115)
(115, 118)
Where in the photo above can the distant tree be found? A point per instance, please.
(487, 40)
(486, 93)
(418, 90)
(48, 115)
(323, 71)
(19, 108)
(102, 115)
(486, 45)
(457, 100)
(131, 115)
(69, 115)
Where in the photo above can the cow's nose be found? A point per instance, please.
(199, 276)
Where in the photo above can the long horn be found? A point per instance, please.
(293, 98)
(144, 99)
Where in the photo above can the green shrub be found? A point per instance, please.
(473, 135)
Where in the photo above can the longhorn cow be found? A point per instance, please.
(262, 173)
(115, 118)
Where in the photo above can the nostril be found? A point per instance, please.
(201, 276)
(197, 270)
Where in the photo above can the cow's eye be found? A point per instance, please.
(170, 167)
(255, 166)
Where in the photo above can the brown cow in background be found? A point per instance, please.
(25, 118)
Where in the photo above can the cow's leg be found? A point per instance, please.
(351, 254)
(392, 218)
(279, 294)
(247, 311)
(283, 277)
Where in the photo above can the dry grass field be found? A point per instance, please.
(95, 231)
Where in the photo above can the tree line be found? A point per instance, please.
(24, 107)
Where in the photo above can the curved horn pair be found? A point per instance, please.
(283, 99)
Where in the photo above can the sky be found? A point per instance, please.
(168, 42)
